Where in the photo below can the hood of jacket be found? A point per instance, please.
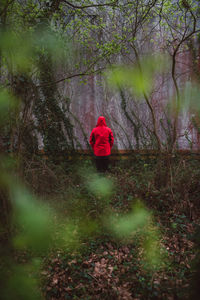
(101, 121)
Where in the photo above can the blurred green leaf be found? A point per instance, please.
(190, 98)
(139, 222)
(7, 104)
(33, 219)
(126, 225)
(152, 253)
(140, 77)
(67, 236)
(100, 186)
(21, 49)
(22, 283)
(18, 50)
(53, 43)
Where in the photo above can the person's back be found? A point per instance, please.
(101, 140)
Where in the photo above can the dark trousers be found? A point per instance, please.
(102, 163)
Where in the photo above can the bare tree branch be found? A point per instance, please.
(91, 5)
(155, 130)
(86, 73)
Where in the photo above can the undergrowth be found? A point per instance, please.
(102, 266)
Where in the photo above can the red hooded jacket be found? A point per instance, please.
(101, 138)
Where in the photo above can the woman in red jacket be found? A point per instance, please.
(101, 140)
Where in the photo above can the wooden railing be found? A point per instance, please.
(125, 154)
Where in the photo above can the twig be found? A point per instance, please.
(93, 277)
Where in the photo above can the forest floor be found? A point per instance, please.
(98, 263)
(131, 233)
